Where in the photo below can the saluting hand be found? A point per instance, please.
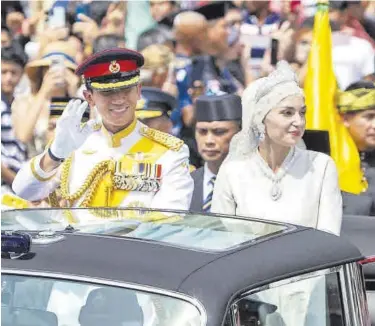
(70, 134)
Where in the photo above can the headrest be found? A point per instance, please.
(27, 317)
(111, 306)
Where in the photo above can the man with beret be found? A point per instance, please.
(154, 109)
(218, 119)
(113, 160)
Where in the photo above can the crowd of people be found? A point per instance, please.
(202, 99)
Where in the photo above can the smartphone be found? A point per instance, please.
(274, 51)
(57, 18)
(58, 64)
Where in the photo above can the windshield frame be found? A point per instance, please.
(286, 227)
(145, 289)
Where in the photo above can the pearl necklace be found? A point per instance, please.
(276, 178)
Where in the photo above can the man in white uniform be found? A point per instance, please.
(113, 160)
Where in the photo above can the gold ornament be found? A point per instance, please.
(162, 138)
(89, 186)
(114, 67)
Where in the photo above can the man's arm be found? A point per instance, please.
(177, 186)
(7, 175)
(34, 182)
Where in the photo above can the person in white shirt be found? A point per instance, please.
(265, 174)
(218, 119)
(349, 66)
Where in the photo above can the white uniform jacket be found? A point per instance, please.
(148, 169)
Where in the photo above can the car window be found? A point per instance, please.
(37, 301)
(314, 301)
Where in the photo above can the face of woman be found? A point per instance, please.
(285, 124)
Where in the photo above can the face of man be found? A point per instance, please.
(162, 123)
(159, 9)
(213, 139)
(255, 7)
(361, 127)
(11, 74)
(117, 108)
(218, 35)
(6, 39)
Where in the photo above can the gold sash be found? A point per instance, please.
(106, 195)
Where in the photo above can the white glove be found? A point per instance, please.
(69, 135)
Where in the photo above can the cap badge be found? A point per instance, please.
(114, 67)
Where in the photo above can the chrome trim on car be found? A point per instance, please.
(290, 280)
(358, 314)
(353, 292)
(102, 281)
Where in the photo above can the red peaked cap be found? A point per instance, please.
(111, 69)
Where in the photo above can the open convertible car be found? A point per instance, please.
(141, 267)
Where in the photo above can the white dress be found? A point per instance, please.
(310, 194)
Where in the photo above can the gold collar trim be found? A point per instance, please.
(114, 140)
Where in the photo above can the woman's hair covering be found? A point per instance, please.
(258, 99)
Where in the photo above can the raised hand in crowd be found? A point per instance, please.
(53, 80)
(29, 25)
(72, 82)
(87, 27)
(50, 35)
(169, 85)
(114, 21)
(284, 36)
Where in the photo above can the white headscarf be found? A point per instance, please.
(259, 98)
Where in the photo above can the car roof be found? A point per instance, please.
(199, 274)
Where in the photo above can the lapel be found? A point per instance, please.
(197, 199)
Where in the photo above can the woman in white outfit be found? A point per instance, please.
(265, 174)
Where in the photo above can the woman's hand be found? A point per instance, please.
(72, 82)
(285, 37)
(87, 27)
(53, 80)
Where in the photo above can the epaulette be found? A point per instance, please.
(169, 141)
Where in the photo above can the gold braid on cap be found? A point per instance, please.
(356, 100)
(106, 86)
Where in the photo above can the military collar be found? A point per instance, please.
(114, 140)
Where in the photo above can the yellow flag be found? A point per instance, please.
(322, 114)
